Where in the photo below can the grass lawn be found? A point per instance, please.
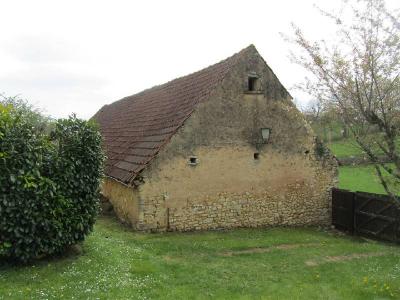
(360, 178)
(345, 148)
(349, 147)
(275, 263)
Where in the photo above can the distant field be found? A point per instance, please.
(348, 147)
(345, 148)
(360, 178)
(331, 133)
(355, 178)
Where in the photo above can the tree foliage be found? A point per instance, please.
(358, 75)
(21, 107)
(49, 182)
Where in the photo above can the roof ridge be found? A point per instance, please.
(235, 55)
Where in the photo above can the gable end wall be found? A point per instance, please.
(287, 185)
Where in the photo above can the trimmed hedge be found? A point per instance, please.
(49, 184)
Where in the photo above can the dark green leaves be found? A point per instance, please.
(12, 178)
(49, 183)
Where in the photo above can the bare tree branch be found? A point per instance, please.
(359, 75)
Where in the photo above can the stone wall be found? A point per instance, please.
(297, 207)
(288, 184)
(228, 188)
(251, 210)
(125, 201)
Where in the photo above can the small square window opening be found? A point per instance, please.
(252, 83)
(256, 156)
(193, 160)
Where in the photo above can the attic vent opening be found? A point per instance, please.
(193, 160)
(256, 155)
(252, 83)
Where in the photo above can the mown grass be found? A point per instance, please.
(117, 263)
(348, 147)
(345, 148)
(360, 178)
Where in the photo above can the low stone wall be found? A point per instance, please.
(125, 201)
(297, 207)
(360, 160)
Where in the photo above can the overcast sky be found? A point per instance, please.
(76, 56)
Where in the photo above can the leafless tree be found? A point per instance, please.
(324, 118)
(358, 74)
(314, 110)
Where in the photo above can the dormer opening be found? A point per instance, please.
(252, 83)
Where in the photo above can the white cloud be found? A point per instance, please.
(39, 49)
(76, 56)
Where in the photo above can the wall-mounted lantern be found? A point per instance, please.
(265, 134)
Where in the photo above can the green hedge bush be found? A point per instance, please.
(49, 183)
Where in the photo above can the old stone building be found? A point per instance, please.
(219, 148)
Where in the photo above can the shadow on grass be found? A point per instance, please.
(70, 253)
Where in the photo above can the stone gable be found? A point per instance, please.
(217, 171)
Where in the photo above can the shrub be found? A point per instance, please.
(320, 149)
(49, 184)
(21, 107)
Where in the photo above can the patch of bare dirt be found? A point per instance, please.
(269, 249)
(168, 258)
(246, 251)
(171, 259)
(291, 246)
(340, 258)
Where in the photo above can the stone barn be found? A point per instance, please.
(222, 147)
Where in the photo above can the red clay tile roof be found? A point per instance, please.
(135, 128)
